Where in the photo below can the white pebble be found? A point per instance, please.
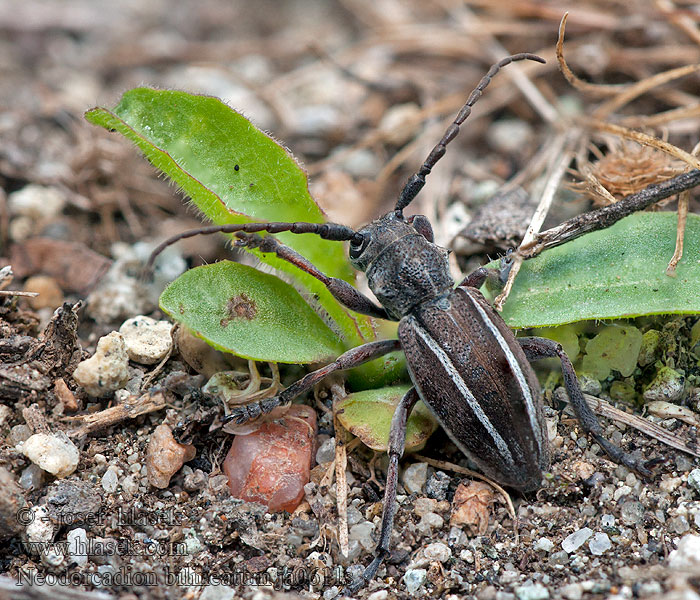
(532, 591)
(577, 539)
(326, 451)
(53, 452)
(110, 480)
(107, 370)
(362, 532)
(37, 202)
(430, 521)
(399, 123)
(218, 592)
(572, 591)
(39, 528)
(414, 579)
(543, 545)
(437, 551)
(599, 544)
(687, 555)
(146, 340)
(414, 477)
(78, 546)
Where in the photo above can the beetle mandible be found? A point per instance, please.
(465, 363)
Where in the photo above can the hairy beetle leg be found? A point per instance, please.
(352, 358)
(536, 348)
(397, 440)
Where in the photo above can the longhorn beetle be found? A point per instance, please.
(465, 363)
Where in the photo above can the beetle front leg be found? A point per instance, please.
(348, 360)
(536, 348)
(342, 291)
(397, 440)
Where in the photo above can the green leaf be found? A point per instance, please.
(615, 347)
(234, 173)
(368, 415)
(613, 273)
(239, 309)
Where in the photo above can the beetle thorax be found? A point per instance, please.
(403, 268)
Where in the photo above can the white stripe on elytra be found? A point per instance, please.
(457, 379)
(515, 367)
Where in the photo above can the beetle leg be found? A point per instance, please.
(475, 279)
(342, 291)
(351, 358)
(535, 348)
(397, 440)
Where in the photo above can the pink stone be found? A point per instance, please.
(165, 456)
(272, 465)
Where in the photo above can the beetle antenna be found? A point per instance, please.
(327, 231)
(416, 182)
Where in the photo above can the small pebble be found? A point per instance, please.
(50, 294)
(110, 480)
(399, 123)
(543, 545)
(668, 385)
(577, 539)
(632, 512)
(687, 555)
(683, 463)
(678, 525)
(414, 477)
(38, 202)
(326, 451)
(53, 557)
(19, 434)
(430, 521)
(424, 505)
(32, 477)
(532, 591)
(165, 456)
(651, 346)
(361, 163)
(354, 516)
(437, 485)
(362, 533)
(197, 480)
(694, 480)
(146, 340)
(218, 592)
(509, 135)
(560, 558)
(130, 484)
(273, 464)
(40, 528)
(53, 452)
(414, 579)
(379, 595)
(572, 591)
(600, 544)
(437, 551)
(107, 370)
(607, 521)
(78, 546)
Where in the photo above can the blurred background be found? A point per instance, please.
(359, 90)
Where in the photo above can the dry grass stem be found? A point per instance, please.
(561, 152)
(647, 140)
(683, 201)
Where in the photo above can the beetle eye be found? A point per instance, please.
(358, 245)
